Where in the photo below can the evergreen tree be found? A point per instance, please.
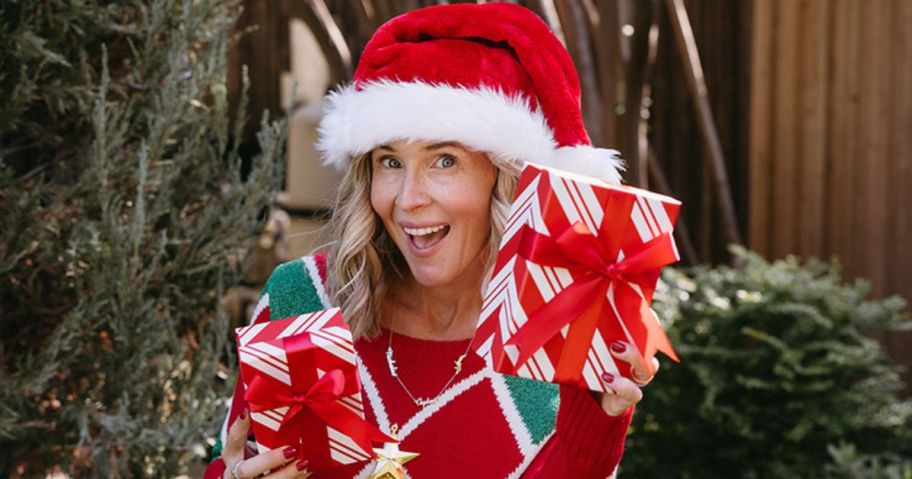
(124, 216)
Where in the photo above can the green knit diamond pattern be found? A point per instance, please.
(537, 414)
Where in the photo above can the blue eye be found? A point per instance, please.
(446, 161)
(390, 162)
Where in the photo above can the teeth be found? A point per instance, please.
(423, 231)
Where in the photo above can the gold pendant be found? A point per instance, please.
(390, 459)
(422, 402)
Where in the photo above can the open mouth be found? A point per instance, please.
(425, 238)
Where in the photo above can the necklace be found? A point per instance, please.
(422, 402)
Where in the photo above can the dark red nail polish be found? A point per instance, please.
(618, 347)
(608, 377)
(243, 414)
(289, 452)
(301, 465)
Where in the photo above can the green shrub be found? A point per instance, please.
(777, 366)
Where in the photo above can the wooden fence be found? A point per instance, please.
(721, 29)
(831, 139)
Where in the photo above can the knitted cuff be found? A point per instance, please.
(593, 440)
(215, 469)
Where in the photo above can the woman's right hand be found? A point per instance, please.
(278, 460)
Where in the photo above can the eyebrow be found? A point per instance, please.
(442, 144)
(431, 147)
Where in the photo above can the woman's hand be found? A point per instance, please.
(278, 460)
(625, 392)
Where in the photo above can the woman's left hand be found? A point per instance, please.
(626, 392)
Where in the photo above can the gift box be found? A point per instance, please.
(302, 388)
(576, 270)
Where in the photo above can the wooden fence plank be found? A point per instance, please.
(899, 201)
(868, 259)
(741, 30)
(843, 128)
(812, 124)
(761, 133)
(785, 174)
(899, 237)
(606, 42)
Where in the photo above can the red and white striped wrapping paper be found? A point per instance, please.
(624, 221)
(291, 355)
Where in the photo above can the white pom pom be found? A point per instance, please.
(602, 163)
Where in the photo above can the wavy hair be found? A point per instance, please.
(363, 260)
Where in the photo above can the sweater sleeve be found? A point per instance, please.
(215, 469)
(293, 288)
(587, 442)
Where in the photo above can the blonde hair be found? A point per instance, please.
(363, 260)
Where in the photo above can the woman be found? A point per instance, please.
(446, 104)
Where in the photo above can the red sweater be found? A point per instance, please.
(484, 425)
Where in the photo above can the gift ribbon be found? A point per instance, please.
(321, 399)
(583, 303)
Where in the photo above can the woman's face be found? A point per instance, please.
(434, 199)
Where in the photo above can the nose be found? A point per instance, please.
(413, 192)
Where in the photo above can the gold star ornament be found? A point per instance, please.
(390, 459)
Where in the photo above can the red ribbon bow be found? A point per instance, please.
(583, 303)
(320, 401)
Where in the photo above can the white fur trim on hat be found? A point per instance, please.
(357, 120)
(601, 163)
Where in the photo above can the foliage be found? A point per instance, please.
(777, 370)
(849, 464)
(122, 205)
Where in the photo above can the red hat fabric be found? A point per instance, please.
(493, 77)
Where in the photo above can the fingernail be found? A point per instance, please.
(608, 377)
(243, 414)
(301, 465)
(289, 452)
(618, 347)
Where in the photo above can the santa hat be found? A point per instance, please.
(492, 77)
